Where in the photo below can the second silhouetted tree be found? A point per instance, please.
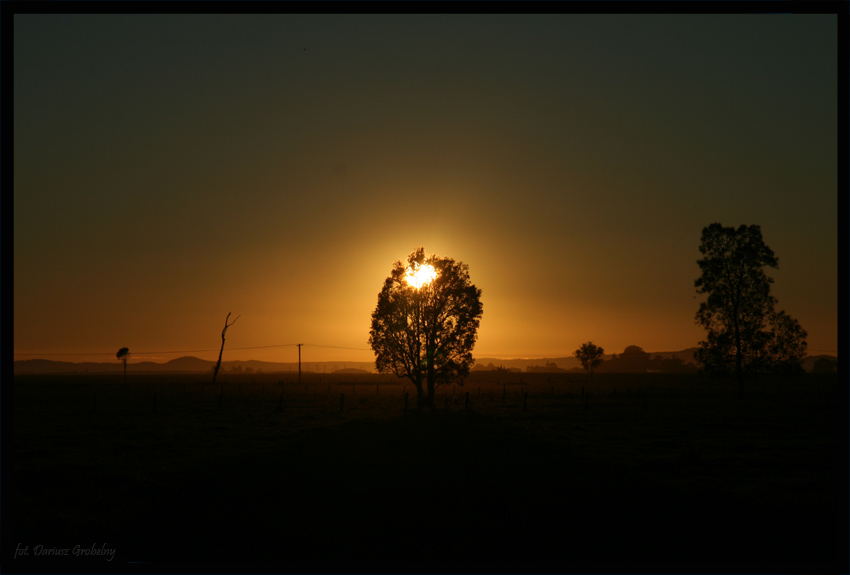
(745, 334)
(590, 356)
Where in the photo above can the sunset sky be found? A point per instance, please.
(169, 169)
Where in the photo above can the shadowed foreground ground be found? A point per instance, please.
(563, 482)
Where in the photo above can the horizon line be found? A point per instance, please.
(476, 358)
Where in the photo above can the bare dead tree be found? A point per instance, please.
(226, 325)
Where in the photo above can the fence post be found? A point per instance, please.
(504, 388)
(341, 402)
(466, 402)
(524, 398)
(280, 401)
(405, 403)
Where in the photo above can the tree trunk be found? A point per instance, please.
(429, 399)
(218, 363)
(420, 396)
(739, 363)
(739, 367)
(221, 351)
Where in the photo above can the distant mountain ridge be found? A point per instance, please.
(190, 364)
(570, 362)
(186, 364)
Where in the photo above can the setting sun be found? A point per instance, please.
(422, 275)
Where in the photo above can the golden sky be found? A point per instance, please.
(169, 169)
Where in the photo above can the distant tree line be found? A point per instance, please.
(237, 369)
(635, 360)
(549, 367)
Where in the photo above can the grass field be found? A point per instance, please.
(643, 467)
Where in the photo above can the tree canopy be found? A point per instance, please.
(590, 356)
(426, 322)
(745, 334)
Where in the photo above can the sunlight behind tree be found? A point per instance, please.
(426, 323)
(419, 275)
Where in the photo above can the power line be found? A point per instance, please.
(265, 346)
(135, 352)
(200, 350)
(337, 347)
(279, 345)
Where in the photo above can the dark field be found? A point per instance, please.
(651, 467)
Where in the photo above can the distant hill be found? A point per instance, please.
(186, 364)
(189, 364)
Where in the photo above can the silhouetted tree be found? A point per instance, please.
(739, 307)
(426, 323)
(632, 360)
(824, 365)
(672, 365)
(123, 355)
(590, 356)
(226, 325)
(785, 346)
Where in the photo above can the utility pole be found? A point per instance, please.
(299, 362)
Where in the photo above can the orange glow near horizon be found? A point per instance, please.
(296, 209)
